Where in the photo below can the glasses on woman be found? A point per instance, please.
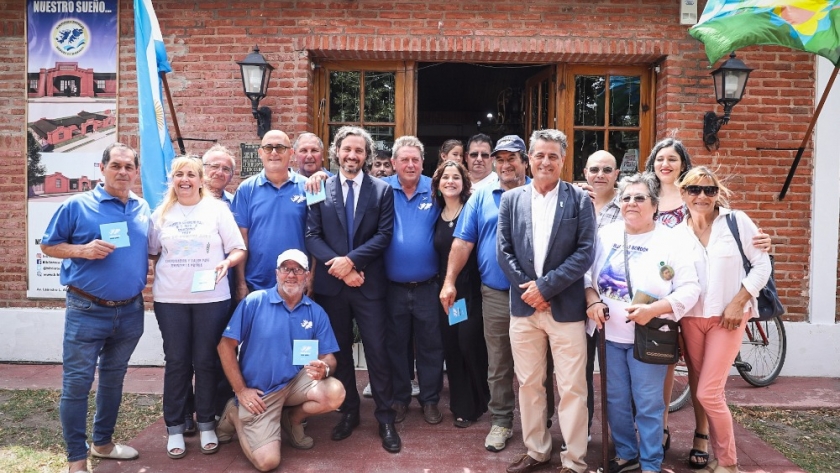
(288, 270)
(710, 191)
(637, 198)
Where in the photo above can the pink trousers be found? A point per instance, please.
(710, 351)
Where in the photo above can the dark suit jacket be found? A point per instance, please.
(326, 235)
(571, 250)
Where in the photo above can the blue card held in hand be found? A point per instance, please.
(204, 281)
(317, 197)
(115, 234)
(458, 312)
(304, 351)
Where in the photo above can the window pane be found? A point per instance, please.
(344, 96)
(379, 96)
(624, 100)
(589, 100)
(586, 142)
(624, 145)
(383, 136)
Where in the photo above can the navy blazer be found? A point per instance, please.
(571, 250)
(326, 235)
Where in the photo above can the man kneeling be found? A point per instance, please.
(272, 393)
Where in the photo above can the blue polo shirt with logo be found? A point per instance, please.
(266, 329)
(275, 218)
(477, 225)
(411, 256)
(120, 275)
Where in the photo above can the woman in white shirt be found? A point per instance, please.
(714, 328)
(644, 255)
(190, 236)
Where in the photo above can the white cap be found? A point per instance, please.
(293, 255)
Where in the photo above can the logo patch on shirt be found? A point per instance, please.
(306, 324)
(424, 206)
(299, 198)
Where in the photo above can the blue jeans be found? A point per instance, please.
(629, 379)
(415, 309)
(94, 333)
(190, 334)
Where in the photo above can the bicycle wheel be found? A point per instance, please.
(680, 392)
(762, 352)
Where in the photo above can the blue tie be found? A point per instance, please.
(349, 213)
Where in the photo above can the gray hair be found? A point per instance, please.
(218, 148)
(649, 180)
(404, 141)
(344, 132)
(549, 134)
(106, 154)
(307, 135)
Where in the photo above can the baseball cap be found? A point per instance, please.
(510, 143)
(293, 255)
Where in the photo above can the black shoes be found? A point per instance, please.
(390, 438)
(348, 422)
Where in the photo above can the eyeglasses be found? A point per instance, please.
(476, 154)
(288, 270)
(710, 191)
(596, 170)
(216, 167)
(638, 198)
(278, 148)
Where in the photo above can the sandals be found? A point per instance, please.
(176, 442)
(699, 459)
(462, 423)
(666, 444)
(208, 437)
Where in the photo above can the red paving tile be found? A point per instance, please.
(428, 448)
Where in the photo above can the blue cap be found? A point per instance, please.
(510, 143)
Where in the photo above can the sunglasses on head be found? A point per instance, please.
(638, 198)
(710, 191)
(596, 170)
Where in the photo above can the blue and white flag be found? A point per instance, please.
(156, 151)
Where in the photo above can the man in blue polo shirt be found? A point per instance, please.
(477, 226)
(266, 377)
(411, 264)
(270, 209)
(102, 237)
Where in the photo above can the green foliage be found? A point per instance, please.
(35, 171)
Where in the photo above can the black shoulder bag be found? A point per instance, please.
(650, 344)
(769, 305)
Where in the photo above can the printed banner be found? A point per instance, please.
(71, 85)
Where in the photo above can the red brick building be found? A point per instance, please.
(612, 74)
(67, 79)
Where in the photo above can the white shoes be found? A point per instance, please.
(120, 452)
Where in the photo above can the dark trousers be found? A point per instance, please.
(465, 353)
(416, 309)
(190, 334)
(370, 315)
(591, 352)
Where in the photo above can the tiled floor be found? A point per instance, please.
(430, 448)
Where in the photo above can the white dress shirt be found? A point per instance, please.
(542, 218)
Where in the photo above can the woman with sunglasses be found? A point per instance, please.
(713, 329)
(639, 273)
(191, 234)
(464, 348)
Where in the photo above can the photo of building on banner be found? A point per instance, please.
(71, 84)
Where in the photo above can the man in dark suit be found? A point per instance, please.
(348, 233)
(546, 243)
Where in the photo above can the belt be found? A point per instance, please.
(413, 285)
(99, 301)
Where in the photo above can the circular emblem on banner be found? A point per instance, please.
(70, 37)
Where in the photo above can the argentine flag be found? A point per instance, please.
(156, 151)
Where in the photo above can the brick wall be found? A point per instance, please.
(205, 39)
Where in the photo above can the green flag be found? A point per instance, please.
(806, 25)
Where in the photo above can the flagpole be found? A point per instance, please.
(807, 137)
(172, 114)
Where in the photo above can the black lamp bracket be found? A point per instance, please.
(263, 116)
(711, 125)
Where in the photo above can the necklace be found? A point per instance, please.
(186, 214)
(694, 227)
(451, 221)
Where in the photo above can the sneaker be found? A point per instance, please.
(629, 465)
(497, 438)
(415, 388)
(367, 392)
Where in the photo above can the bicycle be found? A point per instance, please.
(759, 362)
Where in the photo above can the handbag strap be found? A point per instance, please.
(655, 323)
(733, 227)
(627, 268)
